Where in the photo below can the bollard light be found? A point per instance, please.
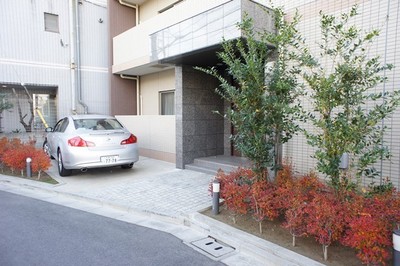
(215, 196)
(28, 167)
(216, 186)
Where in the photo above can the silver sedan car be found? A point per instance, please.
(90, 141)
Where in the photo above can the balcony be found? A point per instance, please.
(182, 31)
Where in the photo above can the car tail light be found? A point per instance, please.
(79, 142)
(132, 139)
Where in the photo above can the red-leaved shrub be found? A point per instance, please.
(298, 194)
(370, 229)
(14, 154)
(235, 190)
(325, 219)
(262, 202)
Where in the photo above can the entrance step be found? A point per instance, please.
(211, 165)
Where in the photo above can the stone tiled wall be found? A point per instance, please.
(199, 131)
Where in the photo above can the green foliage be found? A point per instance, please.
(4, 103)
(262, 94)
(348, 112)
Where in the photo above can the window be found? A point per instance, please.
(167, 102)
(51, 22)
(61, 125)
(97, 124)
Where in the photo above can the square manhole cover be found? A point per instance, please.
(213, 247)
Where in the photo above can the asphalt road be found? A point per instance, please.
(34, 232)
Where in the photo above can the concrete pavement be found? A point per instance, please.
(157, 195)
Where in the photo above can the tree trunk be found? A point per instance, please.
(27, 126)
(278, 153)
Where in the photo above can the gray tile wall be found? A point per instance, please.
(199, 131)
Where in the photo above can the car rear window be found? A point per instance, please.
(97, 124)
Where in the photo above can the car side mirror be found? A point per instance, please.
(48, 129)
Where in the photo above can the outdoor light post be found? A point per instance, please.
(215, 196)
(28, 167)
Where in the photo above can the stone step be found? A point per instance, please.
(211, 165)
(196, 168)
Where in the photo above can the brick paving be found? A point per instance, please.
(173, 193)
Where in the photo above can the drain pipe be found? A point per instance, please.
(138, 97)
(72, 35)
(78, 59)
(135, 6)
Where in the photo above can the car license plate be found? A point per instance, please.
(109, 159)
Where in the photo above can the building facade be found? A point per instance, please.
(135, 59)
(173, 103)
(53, 60)
(175, 118)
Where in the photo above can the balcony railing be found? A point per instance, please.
(198, 32)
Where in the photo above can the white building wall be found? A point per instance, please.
(151, 8)
(150, 87)
(31, 55)
(156, 135)
(94, 56)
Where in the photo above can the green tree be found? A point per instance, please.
(348, 103)
(263, 90)
(5, 105)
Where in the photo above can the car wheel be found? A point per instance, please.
(127, 166)
(61, 170)
(46, 149)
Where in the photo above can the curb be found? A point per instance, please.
(244, 243)
(263, 250)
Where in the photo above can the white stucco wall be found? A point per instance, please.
(156, 134)
(150, 87)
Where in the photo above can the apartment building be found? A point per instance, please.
(172, 104)
(53, 54)
(174, 117)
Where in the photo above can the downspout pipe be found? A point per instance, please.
(138, 102)
(78, 59)
(72, 35)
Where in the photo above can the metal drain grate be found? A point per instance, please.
(213, 247)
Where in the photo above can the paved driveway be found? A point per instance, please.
(151, 185)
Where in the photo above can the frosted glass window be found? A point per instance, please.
(167, 102)
(51, 22)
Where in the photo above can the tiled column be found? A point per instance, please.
(199, 131)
